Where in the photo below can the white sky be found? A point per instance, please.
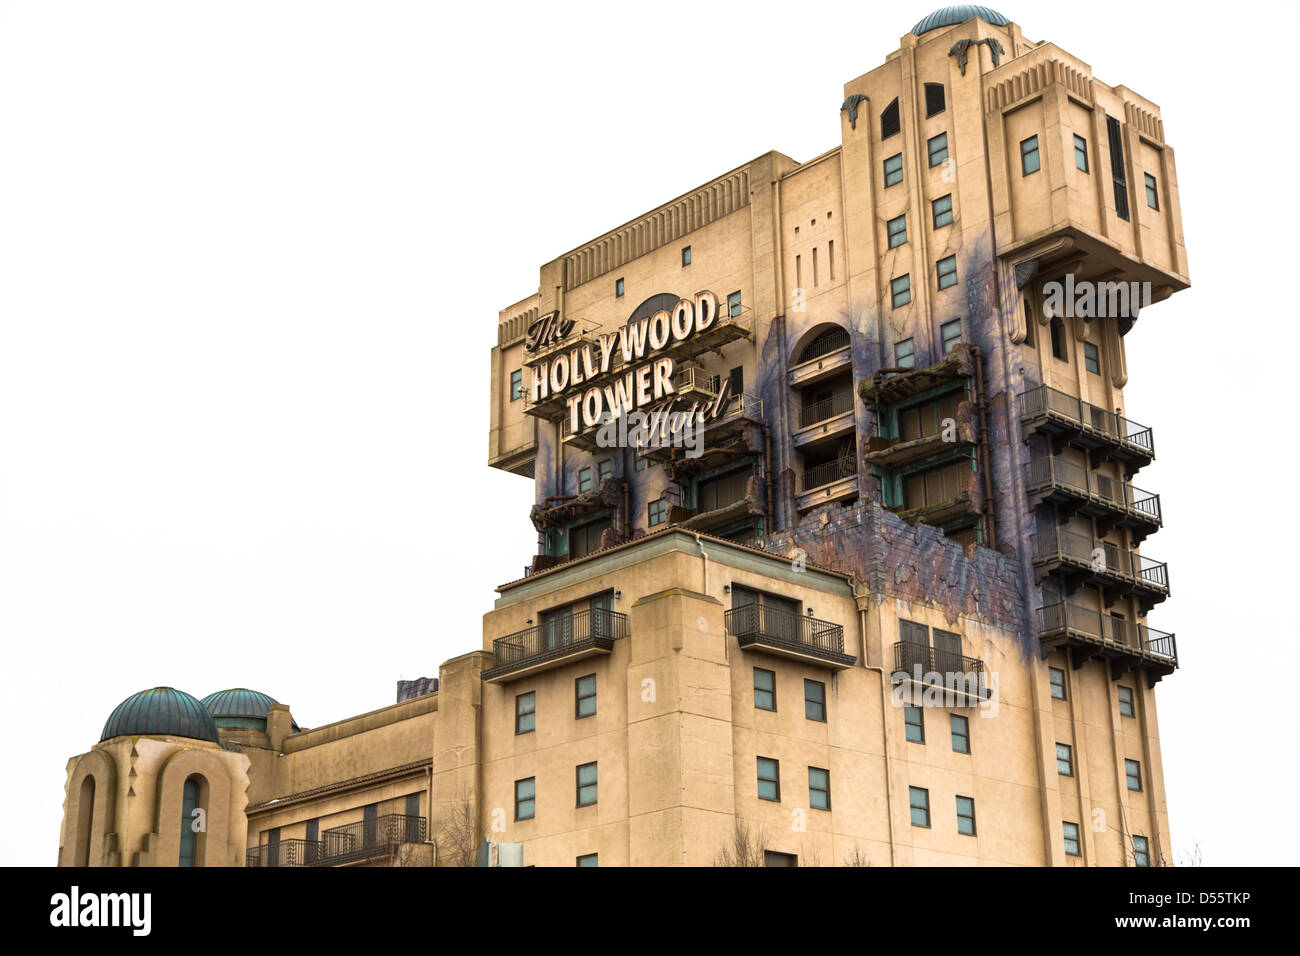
(251, 257)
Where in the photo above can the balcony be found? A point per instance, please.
(1096, 634)
(762, 628)
(586, 634)
(831, 481)
(1107, 435)
(1076, 489)
(816, 367)
(360, 842)
(926, 665)
(1080, 559)
(828, 418)
(284, 853)
(718, 441)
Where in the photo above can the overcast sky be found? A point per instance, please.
(251, 258)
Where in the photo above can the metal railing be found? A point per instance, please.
(826, 343)
(367, 839)
(1122, 495)
(558, 636)
(820, 475)
(815, 412)
(294, 852)
(1045, 401)
(1056, 618)
(761, 622)
(695, 379)
(950, 666)
(1103, 557)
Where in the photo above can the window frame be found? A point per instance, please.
(579, 697)
(1081, 154)
(910, 356)
(1131, 701)
(970, 805)
(594, 857)
(532, 712)
(824, 791)
(813, 701)
(923, 806)
(1091, 358)
(735, 304)
(651, 511)
(916, 726)
(1141, 857)
(1066, 827)
(620, 286)
(941, 275)
(531, 799)
(686, 256)
(1067, 760)
(963, 735)
(757, 690)
(898, 172)
(935, 212)
(593, 784)
(517, 385)
(1133, 774)
(774, 781)
(896, 229)
(1054, 684)
(1029, 147)
(933, 150)
(1153, 191)
(895, 291)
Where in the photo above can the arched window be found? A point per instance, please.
(889, 123)
(85, 821)
(823, 344)
(191, 828)
(1058, 339)
(934, 101)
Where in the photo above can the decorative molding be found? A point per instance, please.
(1033, 80)
(961, 47)
(850, 106)
(1145, 122)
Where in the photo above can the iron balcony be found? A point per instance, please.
(1108, 435)
(759, 627)
(929, 665)
(1076, 489)
(1080, 559)
(1095, 634)
(357, 842)
(555, 643)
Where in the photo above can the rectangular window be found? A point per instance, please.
(1117, 174)
(1064, 762)
(1133, 773)
(1126, 708)
(819, 788)
(814, 700)
(905, 354)
(1056, 677)
(1029, 156)
(947, 269)
(1153, 196)
(1080, 152)
(764, 689)
(733, 304)
(526, 713)
(1071, 832)
(966, 816)
(1091, 358)
(584, 692)
(587, 784)
(816, 281)
(893, 170)
(773, 858)
(769, 779)
(640, 463)
(934, 104)
(897, 231)
(658, 512)
(584, 480)
(935, 486)
(942, 209)
(919, 800)
(950, 333)
(938, 149)
(525, 798)
(960, 733)
(618, 288)
(830, 256)
(1057, 328)
(925, 420)
(1141, 851)
(914, 721)
(737, 379)
(516, 385)
(412, 804)
(686, 256)
(590, 859)
(605, 469)
(900, 291)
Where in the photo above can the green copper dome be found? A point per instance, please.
(241, 707)
(951, 16)
(160, 711)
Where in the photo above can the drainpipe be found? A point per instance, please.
(627, 512)
(700, 543)
(770, 520)
(884, 721)
(990, 532)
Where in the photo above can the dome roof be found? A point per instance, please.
(240, 707)
(160, 711)
(951, 16)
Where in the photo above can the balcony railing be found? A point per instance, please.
(1103, 558)
(787, 632)
(368, 839)
(831, 471)
(593, 629)
(937, 666)
(1105, 629)
(837, 404)
(1052, 470)
(1044, 403)
(294, 852)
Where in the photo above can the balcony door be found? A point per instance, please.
(557, 628)
(602, 621)
(947, 652)
(766, 614)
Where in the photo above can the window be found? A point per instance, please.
(819, 788)
(272, 849)
(658, 512)
(1064, 762)
(1029, 156)
(1056, 677)
(1058, 339)
(960, 733)
(1141, 851)
(525, 798)
(950, 333)
(900, 291)
(526, 713)
(737, 380)
(897, 231)
(1153, 197)
(764, 689)
(814, 700)
(1133, 773)
(516, 385)
(584, 692)
(1091, 358)
(587, 784)
(773, 858)
(938, 146)
(370, 819)
(312, 849)
(686, 256)
(605, 469)
(1118, 177)
(584, 480)
(889, 124)
(640, 463)
(733, 304)
(412, 804)
(934, 104)
(1071, 831)
(769, 779)
(914, 721)
(590, 859)
(1126, 708)
(893, 170)
(1080, 152)
(942, 209)
(585, 539)
(919, 801)
(618, 288)
(935, 486)
(966, 816)
(722, 491)
(189, 803)
(947, 268)
(905, 354)
(925, 420)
